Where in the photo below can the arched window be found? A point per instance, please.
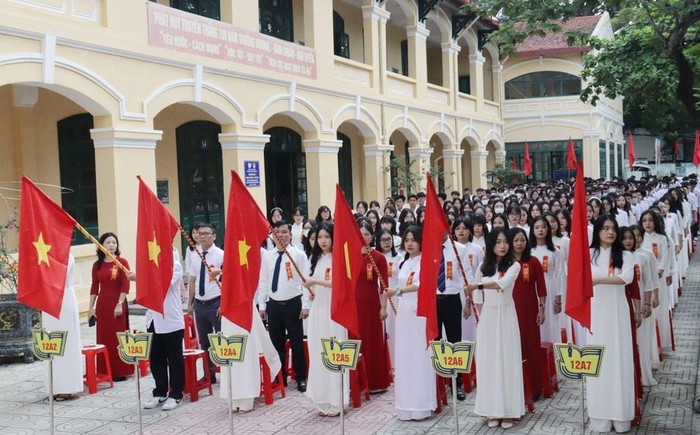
(543, 84)
(205, 8)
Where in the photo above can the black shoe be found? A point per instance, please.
(301, 385)
(460, 394)
(213, 379)
(120, 379)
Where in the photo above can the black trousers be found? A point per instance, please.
(449, 314)
(166, 358)
(283, 321)
(207, 323)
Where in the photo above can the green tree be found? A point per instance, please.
(653, 60)
(504, 175)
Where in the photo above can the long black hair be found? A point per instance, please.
(321, 209)
(316, 251)
(659, 225)
(101, 255)
(388, 220)
(378, 237)
(525, 256)
(548, 238)
(417, 232)
(557, 233)
(490, 265)
(615, 250)
(621, 236)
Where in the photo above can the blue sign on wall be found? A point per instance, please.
(251, 169)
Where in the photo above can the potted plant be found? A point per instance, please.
(16, 319)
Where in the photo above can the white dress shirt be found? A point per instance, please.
(172, 318)
(453, 276)
(289, 284)
(215, 258)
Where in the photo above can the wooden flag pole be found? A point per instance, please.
(103, 249)
(12, 267)
(464, 277)
(193, 245)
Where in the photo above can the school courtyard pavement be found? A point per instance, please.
(24, 406)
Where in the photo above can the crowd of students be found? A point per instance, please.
(509, 261)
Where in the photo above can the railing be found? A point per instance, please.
(438, 95)
(397, 84)
(352, 71)
(90, 10)
(491, 109)
(466, 102)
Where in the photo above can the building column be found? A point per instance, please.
(476, 79)
(374, 34)
(241, 14)
(616, 158)
(317, 19)
(237, 149)
(591, 155)
(421, 156)
(376, 167)
(121, 155)
(478, 169)
(453, 169)
(321, 171)
(500, 157)
(417, 57)
(450, 51)
(497, 85)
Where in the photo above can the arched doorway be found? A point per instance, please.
(285, 171)
(76, 156)
(200, 175)
(345, 167)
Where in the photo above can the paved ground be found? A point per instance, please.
(24, 405)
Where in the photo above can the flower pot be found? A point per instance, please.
(16, 323)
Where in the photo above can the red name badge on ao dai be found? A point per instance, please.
(471, 260)
(369, 272)
(115, 272)
(409, 281)
(655, 250)
(611, 269)
(545, 263)
(526, 272)
(391, 267)
(448, 269)
(327, 276)
(288, 268)
(501, 275)
(637, 272)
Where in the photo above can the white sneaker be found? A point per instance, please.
(170, 404)
(154, 402)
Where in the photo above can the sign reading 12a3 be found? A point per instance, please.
(575, 363)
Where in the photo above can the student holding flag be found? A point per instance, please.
(414, 381)
(323, 388)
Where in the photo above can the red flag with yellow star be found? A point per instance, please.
(154, 249)
(347, 264)
(44, 247)
(246, 228)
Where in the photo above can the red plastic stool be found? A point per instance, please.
(267, 388)
(441, 387)
(358, 383)
(91, 378)
(288, 352)
(144, 365)
(550, 383)
(527, 387)
(192, 383)
(469, 379)
(564, 337)
(191, 337)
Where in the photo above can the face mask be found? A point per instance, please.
(519, 195)
(484, 201)
(499, 210)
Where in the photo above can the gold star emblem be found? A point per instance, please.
(153, 250)
(42, 250)
(243, 249)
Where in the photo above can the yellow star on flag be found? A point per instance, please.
(42, 250)
(153, 250)
(243, 249)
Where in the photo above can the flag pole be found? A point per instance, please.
(382, 284)
(291, 260)
(51, 404)
(193, 245)
(464, 277)
(102, 248)
(12, 267)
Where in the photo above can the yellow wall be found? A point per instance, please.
(434, 65)
(394, 36)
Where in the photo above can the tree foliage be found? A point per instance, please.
(653, 61)
(503, 175)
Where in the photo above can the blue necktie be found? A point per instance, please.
(276, 273)
(202, 274)
(441, 274)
